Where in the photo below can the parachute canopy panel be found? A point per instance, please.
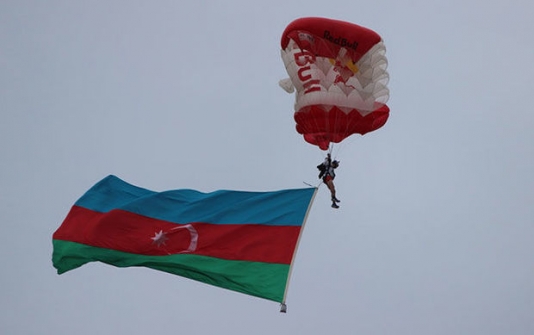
(339, 72)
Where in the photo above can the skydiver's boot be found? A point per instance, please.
(334, 205)
(334, 199)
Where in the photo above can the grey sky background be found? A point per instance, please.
(434, 234)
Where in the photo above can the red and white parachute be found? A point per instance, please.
(339, 71)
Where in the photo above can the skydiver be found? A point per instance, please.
(328, 175)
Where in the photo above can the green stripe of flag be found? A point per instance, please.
(264, 280)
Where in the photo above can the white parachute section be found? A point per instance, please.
(337, 82)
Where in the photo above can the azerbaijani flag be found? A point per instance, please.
(242, 241)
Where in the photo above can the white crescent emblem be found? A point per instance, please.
(194, 237)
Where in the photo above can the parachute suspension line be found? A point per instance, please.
(334, 150)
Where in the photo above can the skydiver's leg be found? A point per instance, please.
(332, 188)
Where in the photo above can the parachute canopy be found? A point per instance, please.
(339, 71)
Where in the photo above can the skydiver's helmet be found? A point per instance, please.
(335, 164)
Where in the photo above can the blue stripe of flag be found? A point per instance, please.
(284, 207)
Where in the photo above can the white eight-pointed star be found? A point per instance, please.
(159, 238)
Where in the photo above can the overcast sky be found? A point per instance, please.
(435, 230)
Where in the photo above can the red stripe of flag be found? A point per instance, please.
(133, 233)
